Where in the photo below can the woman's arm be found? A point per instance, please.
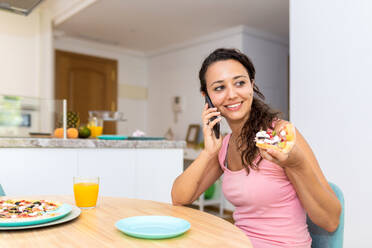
(201, 174)
(205, 170)
(313, 190)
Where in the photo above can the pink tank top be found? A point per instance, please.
(267, 208)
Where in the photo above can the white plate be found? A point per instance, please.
(75, 212)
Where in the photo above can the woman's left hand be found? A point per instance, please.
(293, 158)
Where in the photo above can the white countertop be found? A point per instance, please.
(88, 143)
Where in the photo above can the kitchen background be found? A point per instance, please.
(329, 91)
(162, 60)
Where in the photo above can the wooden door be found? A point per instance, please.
(88, 83)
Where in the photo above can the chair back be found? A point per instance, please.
(2, 193)
(322, 238)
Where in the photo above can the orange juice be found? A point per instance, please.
(86, 194)
(95, 131)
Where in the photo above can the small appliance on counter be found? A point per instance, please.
(107, 115)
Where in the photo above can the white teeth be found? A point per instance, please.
(234, 105)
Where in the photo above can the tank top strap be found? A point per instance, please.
(223, 151)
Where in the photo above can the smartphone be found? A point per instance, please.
(216, 128)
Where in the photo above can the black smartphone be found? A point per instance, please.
(216, 128)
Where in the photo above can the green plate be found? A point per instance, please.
(153, 227)
(62, 210)
(112, 137)
(145, 138)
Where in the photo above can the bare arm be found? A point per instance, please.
(312, 188)
(205, 170)
(201, 174)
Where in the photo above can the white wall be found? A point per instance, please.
(330, 94)
(132, 70)
(270, 57)
(25, 49)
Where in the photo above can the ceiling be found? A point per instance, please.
(147, 25)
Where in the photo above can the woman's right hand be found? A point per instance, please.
(212, 145)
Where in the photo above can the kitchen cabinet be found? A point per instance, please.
(139, 173)
(156, 171)
(129, 171)
(35, 171)
(115, 168)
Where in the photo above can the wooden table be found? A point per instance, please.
(96, 228)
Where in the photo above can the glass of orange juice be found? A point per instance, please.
(96, 126)
(96, 131)
(86, 191)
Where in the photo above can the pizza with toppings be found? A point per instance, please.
(282, 140)
(26, 210)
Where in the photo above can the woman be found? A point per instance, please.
(271, 191)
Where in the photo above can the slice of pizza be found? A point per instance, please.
(283, 140)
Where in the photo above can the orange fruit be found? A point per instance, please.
(72, 133)
(58, 133)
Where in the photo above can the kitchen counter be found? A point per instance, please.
(88, 143)
(142, 169)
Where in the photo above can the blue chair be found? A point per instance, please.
(322, 238)
(2, 193)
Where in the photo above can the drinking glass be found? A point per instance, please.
(86, 191)
(95, 125)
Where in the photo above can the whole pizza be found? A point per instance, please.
(12, 210)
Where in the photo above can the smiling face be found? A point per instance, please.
(230, 89)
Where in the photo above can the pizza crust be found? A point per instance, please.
(27, 219)
(285, 149)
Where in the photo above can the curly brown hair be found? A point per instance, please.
(261, 115)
